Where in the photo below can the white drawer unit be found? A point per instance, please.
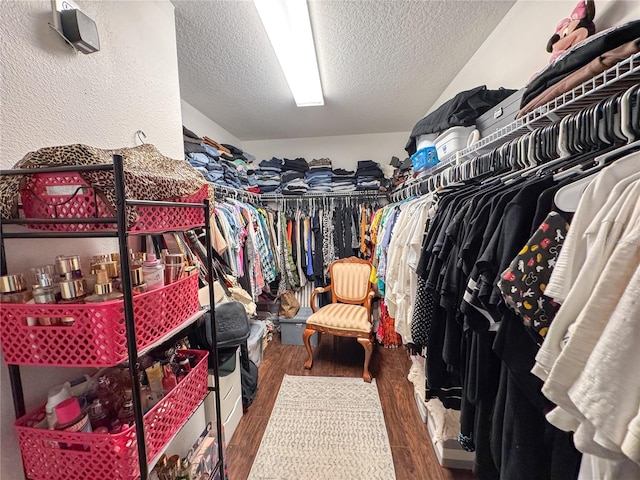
(230, 400)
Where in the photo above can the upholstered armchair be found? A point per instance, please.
(349, 313)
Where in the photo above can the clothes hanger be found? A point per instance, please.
(626, 111)
(568, 197)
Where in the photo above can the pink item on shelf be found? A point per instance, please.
(68, 195)
(68, 410)
(113, 456)
(98, 333)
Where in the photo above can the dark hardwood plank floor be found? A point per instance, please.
(411, 448)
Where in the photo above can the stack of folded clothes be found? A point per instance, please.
(268, 176)
(369, 175)
(221, 164)
(319, 176)
(295, 187)
(293, 176)
(343, 180)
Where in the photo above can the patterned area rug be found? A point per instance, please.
(325, 428)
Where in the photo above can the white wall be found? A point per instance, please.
(203, 126)
(516, 49)
(53, 96)
(344, 151)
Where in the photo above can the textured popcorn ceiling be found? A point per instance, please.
(382, 63)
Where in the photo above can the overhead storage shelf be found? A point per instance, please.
(616, 79)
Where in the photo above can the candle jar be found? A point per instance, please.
(138, 284)
(173, 268)
(68, 266)
(14, 289)
(45, 290)
(72, 291)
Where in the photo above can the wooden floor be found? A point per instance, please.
(413, 454)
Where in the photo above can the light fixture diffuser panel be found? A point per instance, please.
(289, 29)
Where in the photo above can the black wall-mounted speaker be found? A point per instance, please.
(80, 30)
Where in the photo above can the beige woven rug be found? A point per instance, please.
(325, 428)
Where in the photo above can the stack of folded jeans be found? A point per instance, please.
(295, 187)
(293, 182)
(210, 168)
(319, 176)
(231, 175)
(369, 175)
(343, 180)
(268, 177)
(219, 164)
(295, 165)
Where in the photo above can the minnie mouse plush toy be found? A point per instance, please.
(574, 29)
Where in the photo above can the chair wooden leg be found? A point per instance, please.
(368, 348)
(306, 339)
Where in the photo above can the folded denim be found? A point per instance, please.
(367, 164)
(297, 164)
(193, 148)
(233, 149)
(268, 171)
(291, 175)
(199, 158)
(349, 181)
(340, 172)
(273, 163)
(317, 173)
(210, 150)
(376, 173)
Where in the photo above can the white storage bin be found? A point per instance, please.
(424, 141)
(452, 140)
(254, 342)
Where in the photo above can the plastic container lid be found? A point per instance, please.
(151, 260)
(68, 410)
(57, 395)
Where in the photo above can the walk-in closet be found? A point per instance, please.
(320, 240)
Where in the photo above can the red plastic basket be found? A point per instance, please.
(97, 336)
(105, 456)
(68, 196)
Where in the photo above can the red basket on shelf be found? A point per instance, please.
(97, 336)
(68, 196)
(106, 456)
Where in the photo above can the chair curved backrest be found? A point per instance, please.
(350, 280)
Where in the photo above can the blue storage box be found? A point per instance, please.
(424, 158)
(291, 328)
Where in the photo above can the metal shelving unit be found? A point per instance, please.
(122, 234)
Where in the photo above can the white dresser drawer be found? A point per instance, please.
(231, 422)
(227, 382)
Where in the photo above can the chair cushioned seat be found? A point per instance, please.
(341, 316)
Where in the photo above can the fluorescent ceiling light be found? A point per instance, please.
(289, 28)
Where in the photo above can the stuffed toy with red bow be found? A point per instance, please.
(573, 29)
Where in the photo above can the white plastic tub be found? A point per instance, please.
(254, 342)
(452, 140)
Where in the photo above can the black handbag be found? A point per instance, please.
(232, 327)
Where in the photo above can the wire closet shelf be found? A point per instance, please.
(613, 80)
